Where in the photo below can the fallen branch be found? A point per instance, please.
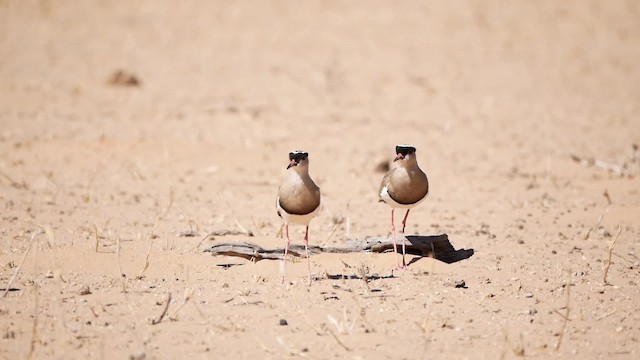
(437, 246)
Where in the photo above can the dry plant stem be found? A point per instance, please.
(347, 231)
(166, 211)
(330, 234)
(34, 328)
(95, 233)
(48, 231)
(235, 219)
(24, 257)
(13, 183)
(146, 260)
(255, 226)
(118, 259)
(517, 350)
(134, 333)
(201, 242)
(606, 315)
(592, 229)
(187, 296)
(338, 340)
(566, 315)
(611, 246)
(164, 311)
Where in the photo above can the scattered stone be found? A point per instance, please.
(138, 356)
(123, 78)
(283, 322)
(49, 274)
(528, 295)
(84, 290)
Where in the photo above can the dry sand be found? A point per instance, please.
(496, 95)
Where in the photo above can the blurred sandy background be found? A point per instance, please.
(524, 114)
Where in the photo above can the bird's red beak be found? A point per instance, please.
(399, 157)
(292, 163)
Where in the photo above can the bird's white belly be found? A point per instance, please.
(384, 195)
(297, 219)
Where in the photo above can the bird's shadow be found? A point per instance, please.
(438, 247)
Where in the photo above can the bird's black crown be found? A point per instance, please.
(405, 149)
(298, 155)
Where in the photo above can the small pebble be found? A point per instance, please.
(528, 295)
(283, 322)
(84, 290)
(461, 284)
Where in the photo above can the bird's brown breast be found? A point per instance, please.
(299, 196)
(406, 187)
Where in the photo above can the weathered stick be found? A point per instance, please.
(611, 246)
(437, 246)
(164, 311)
(24, 257)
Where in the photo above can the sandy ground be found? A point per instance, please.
(524, 114)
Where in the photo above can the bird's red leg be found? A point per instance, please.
(404, 250)
(286, 251)
(306, 250)
(404, 221)
(393, 237)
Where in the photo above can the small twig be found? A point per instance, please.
(235, 219)
(347, 231)
(188, 293)
(120, 273)
(517, 350)
(166, 211)
(594, 228)
(607, 196)
(606, 315)
(209, 235)
(48, 231)
(331, 234)
(146, 260)
(337, 340)
(255, 226)
(164, 311)
(24, 257)
(13, 183)
(34, 328)
(95, 233)
(611, 246)
(566, 315)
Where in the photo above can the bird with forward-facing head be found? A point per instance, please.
(298, 200)
(404, 186)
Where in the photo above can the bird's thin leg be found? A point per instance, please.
(393, 237)
(286, 251)
(306, 250)
(404, 221)
(404, 249)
